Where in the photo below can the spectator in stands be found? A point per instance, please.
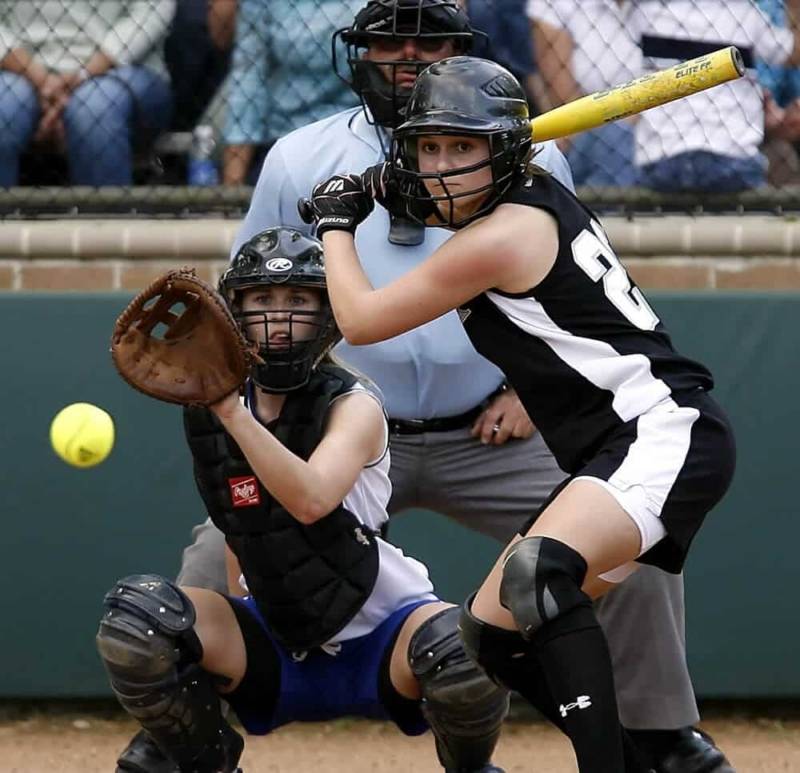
(281, 75)
(507, 40)
(781, 108)
(87, 82)
(709, 141)
(197, 52)
(584, 46)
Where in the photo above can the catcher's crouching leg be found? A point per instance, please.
(464, 708)
(151, 653)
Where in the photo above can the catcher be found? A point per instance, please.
(292, 468)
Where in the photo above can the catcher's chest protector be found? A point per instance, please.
(308, 581)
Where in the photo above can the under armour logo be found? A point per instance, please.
(333, 186)
(582, 702)
(360, 537)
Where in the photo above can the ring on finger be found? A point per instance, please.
(495, 429)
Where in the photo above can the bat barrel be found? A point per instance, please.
(643, 93)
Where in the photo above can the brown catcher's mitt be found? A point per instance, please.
(178, 342)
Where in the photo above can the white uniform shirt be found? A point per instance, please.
(605, 53)
(401, 579)
(726, 120)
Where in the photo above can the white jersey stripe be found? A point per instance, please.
(628, 376)
(656, 457)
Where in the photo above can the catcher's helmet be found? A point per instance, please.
(282, 256)
(427, 21)
(464, 96)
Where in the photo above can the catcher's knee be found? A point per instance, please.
(152, 654)
(146, 635)
(464, 708)
(542, 579)
(148, 625)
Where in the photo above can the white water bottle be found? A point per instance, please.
(202, 169)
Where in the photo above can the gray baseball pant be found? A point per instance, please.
(494, 490)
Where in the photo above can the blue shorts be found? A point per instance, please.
(318, 685)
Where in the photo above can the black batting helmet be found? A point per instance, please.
(282, 256)
(464, 96)
(429, 22)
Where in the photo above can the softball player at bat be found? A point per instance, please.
(543, 296)
(337, 621)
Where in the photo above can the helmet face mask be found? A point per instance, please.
(462, 97)
(292, 340)
(378, 73)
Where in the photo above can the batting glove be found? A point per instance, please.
(340, 204)
(382, 184)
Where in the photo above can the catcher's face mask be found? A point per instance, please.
(390, 42)
(291, 325)
(276, 290)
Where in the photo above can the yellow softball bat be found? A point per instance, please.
(640, 94)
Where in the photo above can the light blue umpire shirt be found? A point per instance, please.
(429, 372)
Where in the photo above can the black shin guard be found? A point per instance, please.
(515, 663)
(541, 587)
(148, 645)
(464, 708)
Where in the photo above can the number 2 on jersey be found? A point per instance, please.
(587, 249)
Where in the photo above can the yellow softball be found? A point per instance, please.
(82, 434)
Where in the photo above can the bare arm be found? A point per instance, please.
(554, 47)
(22, 62)
(492, 253)
(793, 22)
(222, 22)
(236, 163)
(311, 489)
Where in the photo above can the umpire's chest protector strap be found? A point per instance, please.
(308, 581)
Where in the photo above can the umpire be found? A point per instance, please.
(461, 443)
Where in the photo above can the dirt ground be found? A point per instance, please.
(88, 741)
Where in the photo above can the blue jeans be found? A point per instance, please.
(699, 170)
(100, 121)
(603, 156)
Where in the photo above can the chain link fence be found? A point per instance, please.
(167, 107)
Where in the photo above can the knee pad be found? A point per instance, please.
(151, 653)
(147, 631)
(542, 580)
(464, 708)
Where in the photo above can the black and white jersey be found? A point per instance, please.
(583, 349)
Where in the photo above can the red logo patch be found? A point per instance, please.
(244, 491)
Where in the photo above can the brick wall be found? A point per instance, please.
(682, 253)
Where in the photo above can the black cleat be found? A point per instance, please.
(142, 755)
(692, 751)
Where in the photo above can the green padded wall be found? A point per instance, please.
(68, 533)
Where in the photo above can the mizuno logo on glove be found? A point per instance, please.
(332, 220)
